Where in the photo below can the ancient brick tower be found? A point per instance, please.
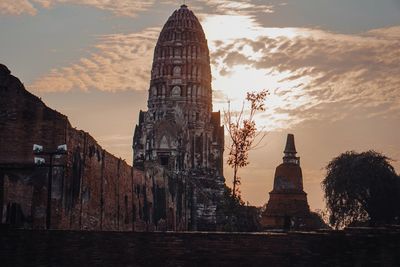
(179, 137)
(287, 206)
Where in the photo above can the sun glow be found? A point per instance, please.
(231, 27)
(232, 81)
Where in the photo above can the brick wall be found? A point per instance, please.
(367, 247)
(24, 121)
(91, 188)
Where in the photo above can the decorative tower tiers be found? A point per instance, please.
(179, 136)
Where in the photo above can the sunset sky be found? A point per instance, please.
(332, 69)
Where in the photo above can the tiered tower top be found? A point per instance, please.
(181, 71)
(288, 175)
(290, 151)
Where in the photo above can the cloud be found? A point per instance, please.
(131, 8)
(315, 74)
(118, 7)
(311, 74)
(17, 7)
(229, 7)
(120, 62)
(203, 8)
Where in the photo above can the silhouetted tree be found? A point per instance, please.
(237, 216)
(319, 219)
(243, 133)
(361, 187)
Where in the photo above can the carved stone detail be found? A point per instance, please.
(181, 132)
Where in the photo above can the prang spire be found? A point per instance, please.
(181, 73)
(290, 151)
(179, 137)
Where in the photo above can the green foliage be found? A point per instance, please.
(361, 187)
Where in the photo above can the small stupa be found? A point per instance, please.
(287, 207)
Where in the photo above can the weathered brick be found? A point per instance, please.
(92, 190)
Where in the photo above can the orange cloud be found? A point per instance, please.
(121, 62)
(131, 8)
(324, 75)
(118, 7)
(17, 7)
(232, 7)
(311, 74)
(227, 7)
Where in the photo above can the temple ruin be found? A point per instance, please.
(176, 181)
(179, 136)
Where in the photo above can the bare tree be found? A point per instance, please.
(243, 134)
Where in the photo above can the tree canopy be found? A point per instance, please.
(361, 187)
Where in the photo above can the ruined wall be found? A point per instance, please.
(98, 191)
(367, 247)
(91, 189)
(24, 121)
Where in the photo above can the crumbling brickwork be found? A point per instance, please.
(179, 138)
(91, 189)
